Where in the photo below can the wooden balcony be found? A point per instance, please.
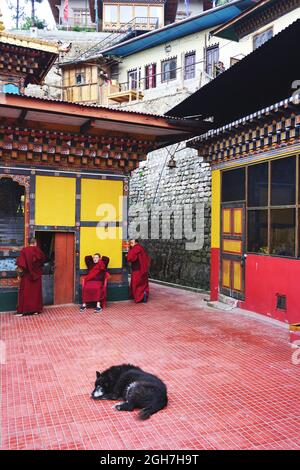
(123, 94)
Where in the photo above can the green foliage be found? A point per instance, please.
(37, 23)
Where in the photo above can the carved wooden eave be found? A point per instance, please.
(272, 128)
(49, 132)
(26, 57)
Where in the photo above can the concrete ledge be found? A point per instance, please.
(179, 286)
(247, 313)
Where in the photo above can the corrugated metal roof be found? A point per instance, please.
(84, 105)
(260, 79)
(294, 101)
(205, 20)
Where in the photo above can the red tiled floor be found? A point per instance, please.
(231, 381)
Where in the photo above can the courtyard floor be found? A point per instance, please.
(230, 378)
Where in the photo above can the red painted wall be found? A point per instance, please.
(214, 273)
(265, 277)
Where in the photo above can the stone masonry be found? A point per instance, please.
(155, 184)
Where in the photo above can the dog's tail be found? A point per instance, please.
(152, 408)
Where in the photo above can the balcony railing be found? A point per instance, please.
(75, 21)
(143, 23)
(135, 88)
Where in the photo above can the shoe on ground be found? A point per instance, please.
(98, 309)
(18, 314)
(82, 308)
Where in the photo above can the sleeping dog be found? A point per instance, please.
(137, 388)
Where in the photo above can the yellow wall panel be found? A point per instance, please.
(226, 273)
(237, 273)
(94, 193)
(55, 201)
(226, 220)
(237, 220)
(107, 242)
(232, 246)
(215, 208)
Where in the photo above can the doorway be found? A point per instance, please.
(232, 278)
(58, 274)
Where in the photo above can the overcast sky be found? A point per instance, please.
(43, 11)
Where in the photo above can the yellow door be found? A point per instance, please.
(232, 277)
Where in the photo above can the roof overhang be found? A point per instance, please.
(45, 113)
(205, 20)
(24, 47)
(262, 78)
(235, 29)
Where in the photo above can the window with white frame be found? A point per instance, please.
(132, 76)
(169, 69)
(189, 65)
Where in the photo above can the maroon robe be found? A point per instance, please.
(93, 283)
(30, 299)
(140, 260)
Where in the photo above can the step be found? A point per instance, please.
(220, 305)
(228, 300)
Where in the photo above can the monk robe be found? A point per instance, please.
(93, 283)
(30, 299)
(140, 260)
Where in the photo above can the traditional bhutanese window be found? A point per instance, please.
(169, 69)
(212, 59)
(150, 76)
(189, 65)
(272, 197)
(132, 79)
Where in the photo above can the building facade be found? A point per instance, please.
(255, 210)
(64, 177)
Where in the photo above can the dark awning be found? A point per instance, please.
(260, 79)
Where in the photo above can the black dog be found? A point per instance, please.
(137, 388)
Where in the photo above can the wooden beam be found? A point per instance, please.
(87, 126)
(22, 117)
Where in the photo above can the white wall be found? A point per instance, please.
(230, 49)
(197, 42)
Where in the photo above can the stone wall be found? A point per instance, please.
(154, 183)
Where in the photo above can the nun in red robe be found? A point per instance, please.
(140, 262)
(94, 285)
(30, 262)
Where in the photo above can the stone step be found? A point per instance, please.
(228, 300)
(220, 305)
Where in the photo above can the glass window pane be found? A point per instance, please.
(258, 231)
(233, 185)
(283, 178)
(169, 70)
(189, 65)
(140, 11)
(111, 13)
(156, 12)
(126, 13)
(258, 185)
(283, 232)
